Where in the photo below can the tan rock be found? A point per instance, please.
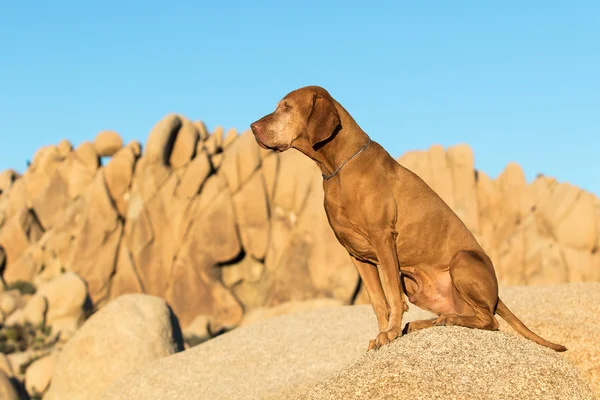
(87, 156)
(38, 374)
(7, 390)
(137, 329)
(107, 143)
(118, 175)
(64, 147)
(126, 280)
(217, 160)
(16, 318)
(78, 174)
(9, 301)
(580, 266)
(26, 266)
(45, 158)
(240, 160)
(252, 215)
(210, 144)
(202, 130)
(161, 139)
(135, 147)
(247, 270)
(488, 200)
(270, 166)
(7, 178)
(5, 366)
(150, 239)
(439, 175)
(19, 360)
(260, 314)
(16, 235)
(34, 311)
(12, 201)
(194, 291)
(462, 165)
(229, 137)
(97, 235)
(198, 329)
(66, 296)
(35, 180)
(248, 281)
(184, 148)
(578, 226)
(51, 201)
(304, 258)
(194, 176)
(218, 136)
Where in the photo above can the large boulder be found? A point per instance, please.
(126, 334)
(67, 302)
(38, 374)
(7, 389)
(107, 143)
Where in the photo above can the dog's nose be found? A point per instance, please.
(254, 126)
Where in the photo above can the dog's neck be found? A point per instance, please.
(347, 141)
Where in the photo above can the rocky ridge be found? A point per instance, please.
(228, 233)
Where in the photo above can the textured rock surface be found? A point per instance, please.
(227, 232)
(456, 363)
(107, 143)
(218, 227)
(129, 332)
(283, 356)
(7, 390)
(546, 232)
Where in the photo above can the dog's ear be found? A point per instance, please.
(322, 121)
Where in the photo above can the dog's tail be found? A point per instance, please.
(520, 327)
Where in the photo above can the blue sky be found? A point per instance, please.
(518, 81)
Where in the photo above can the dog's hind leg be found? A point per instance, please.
(476, 286)
(475, 294)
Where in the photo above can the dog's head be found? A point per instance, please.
(306, 115)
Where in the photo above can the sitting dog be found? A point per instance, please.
(401, 236)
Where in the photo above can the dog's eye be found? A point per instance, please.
(286, 106)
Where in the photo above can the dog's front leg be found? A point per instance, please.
(370, 279)
(389, 274)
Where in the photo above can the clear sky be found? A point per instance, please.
(517, 80)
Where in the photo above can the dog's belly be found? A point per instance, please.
(430, 289)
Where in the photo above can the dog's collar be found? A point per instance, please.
(344, 163)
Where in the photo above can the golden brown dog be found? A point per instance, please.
(401, 236)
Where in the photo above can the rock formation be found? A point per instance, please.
(129, 332)
(217, 226)
(227, 233)
(545, 232)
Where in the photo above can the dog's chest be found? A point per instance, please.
(349, 232)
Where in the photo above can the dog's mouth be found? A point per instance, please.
(277, 149)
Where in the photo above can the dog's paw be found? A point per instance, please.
(384, 338)
(445, 320)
